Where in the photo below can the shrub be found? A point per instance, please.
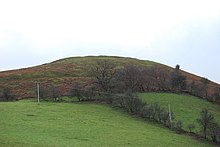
(179, 126)
(191, 127)
(214, 131)
(6, 94)
(76, 91)
(164, 116)
(205, 119)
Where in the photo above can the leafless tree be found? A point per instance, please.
(159, 77)
(205, 82)
(104, 73)
(134, 77)
(216, 95)
(130, 76)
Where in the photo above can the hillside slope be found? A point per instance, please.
(25, 123)
(65, 72)
(186, 108)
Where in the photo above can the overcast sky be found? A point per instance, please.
(185, 32)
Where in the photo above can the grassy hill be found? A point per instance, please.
(186, 108)
(25, 123)
(63, 73)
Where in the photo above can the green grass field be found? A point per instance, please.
(186, 108)
(25, 123)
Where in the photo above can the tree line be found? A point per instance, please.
(109, 79)
(107, 76)
(133, 105)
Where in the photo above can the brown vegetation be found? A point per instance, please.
(65, 73)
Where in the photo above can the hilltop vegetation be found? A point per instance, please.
(62, 73)
(65, 73)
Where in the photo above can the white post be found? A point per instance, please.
(38, 93)
(170, 116)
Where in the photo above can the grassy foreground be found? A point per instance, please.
(185, 107)
(25, 123)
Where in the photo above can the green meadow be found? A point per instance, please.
(186, 108)
(25, 123)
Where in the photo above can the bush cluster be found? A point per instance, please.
(7, 95)
(135, 106)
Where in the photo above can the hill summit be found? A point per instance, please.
(64, 73)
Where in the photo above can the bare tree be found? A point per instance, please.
(135, 78)
(216, 95)
(130, 76)
(160, 77)
(195, 88)
(77, 91)
(205, 82)
(103, 72)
